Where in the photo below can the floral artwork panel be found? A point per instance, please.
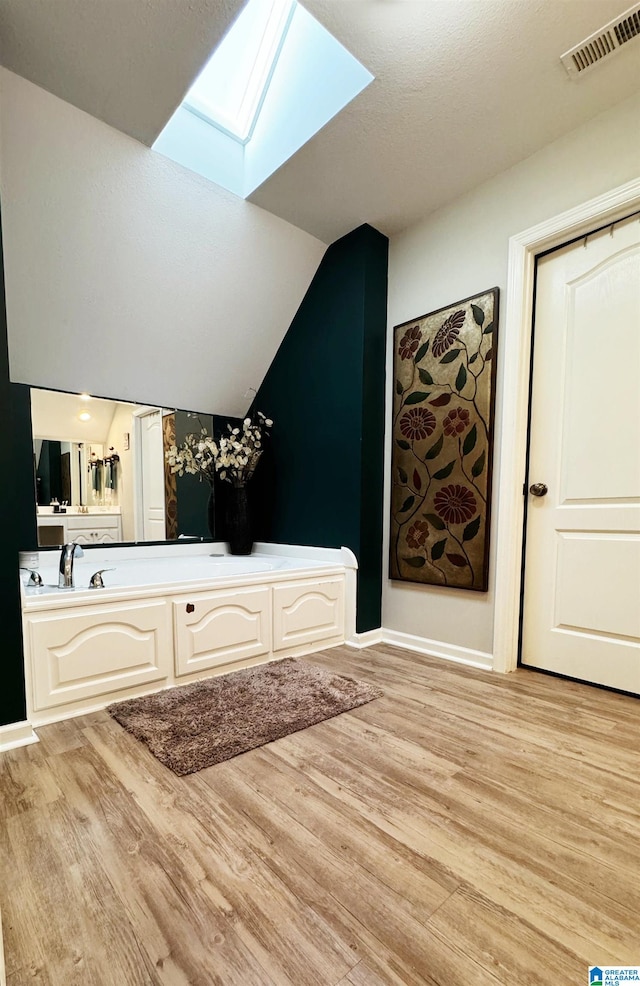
(170, 480)
(444, 378)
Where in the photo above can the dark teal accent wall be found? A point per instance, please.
(24, 474)
(49, 471)
(321, 481)
(12, 693)
(192, 495)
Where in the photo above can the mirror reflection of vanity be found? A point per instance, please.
(101, 476)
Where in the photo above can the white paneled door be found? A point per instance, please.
(152, 449)
(582, 564)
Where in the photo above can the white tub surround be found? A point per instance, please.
(172, 614)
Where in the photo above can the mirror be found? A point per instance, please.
(101, 476)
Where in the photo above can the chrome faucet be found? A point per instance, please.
(69, 552)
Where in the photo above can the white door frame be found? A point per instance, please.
(136, 454)
(515, 341)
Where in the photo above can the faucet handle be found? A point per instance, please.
(96, 582)
(77, 550)
(34, 577)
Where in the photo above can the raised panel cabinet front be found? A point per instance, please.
(93, 529)
(87, 651)
(92, 521)
(308, 611)
(217, 628)
(100, 535)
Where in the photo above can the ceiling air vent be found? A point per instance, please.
(609, 39)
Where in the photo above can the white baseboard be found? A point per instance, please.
(423, 645)
(438, 648)
(366, 639)
(16, 734)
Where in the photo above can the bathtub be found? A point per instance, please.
(126, 569)
(171, 614)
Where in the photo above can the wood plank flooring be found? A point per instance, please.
(466, 828)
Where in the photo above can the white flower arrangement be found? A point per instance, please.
(234, 456)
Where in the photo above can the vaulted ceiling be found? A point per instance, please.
(463, 89)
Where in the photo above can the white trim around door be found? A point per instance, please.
(516, 355)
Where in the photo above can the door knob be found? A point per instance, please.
(539, 489)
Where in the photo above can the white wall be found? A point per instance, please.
(130, 277)
(123, 423)
(460, 251)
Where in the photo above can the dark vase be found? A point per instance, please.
(211, 514)
(239, 521)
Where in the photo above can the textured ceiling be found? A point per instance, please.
(464, 89)
(127, 62)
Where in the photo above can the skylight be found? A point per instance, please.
(275, 79)
(230, 89)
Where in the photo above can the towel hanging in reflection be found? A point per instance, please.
(111, 469)
(95, 467)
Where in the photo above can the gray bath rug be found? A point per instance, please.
(198, 725)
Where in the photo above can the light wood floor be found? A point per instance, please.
(466, 828)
